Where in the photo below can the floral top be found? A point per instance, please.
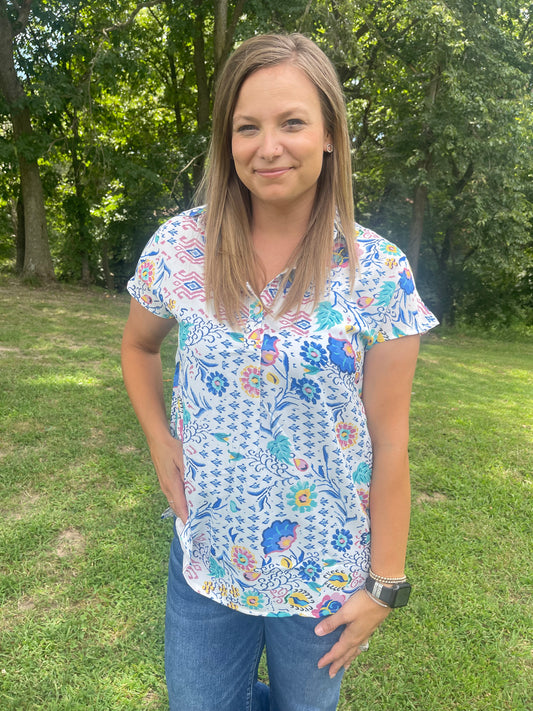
(277, 454)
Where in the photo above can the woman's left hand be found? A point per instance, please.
(362, 616)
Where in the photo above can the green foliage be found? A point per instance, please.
(439, 102)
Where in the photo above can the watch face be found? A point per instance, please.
(402, 596)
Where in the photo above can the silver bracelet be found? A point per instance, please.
(378, 602)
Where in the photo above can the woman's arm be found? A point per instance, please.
(141, 367)
(388, 374)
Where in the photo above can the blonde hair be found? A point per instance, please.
(230, 261)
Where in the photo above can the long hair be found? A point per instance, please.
(230, 260)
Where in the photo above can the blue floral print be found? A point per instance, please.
(406, 281)
(279, 537)
(216, 383)
(342, 539)
(307, 389)
(277, 452)
(342, 354)
(313, 353)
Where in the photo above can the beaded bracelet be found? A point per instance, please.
(386, 581)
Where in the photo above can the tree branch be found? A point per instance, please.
(133, 15)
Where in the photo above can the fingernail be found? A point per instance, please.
(319, 630)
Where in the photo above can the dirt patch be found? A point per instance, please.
(70, 543)
(25, 506)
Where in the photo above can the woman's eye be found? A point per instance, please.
(294, 123)
(246, 128)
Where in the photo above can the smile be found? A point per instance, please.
(272, 172)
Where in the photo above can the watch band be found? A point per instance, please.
(395, 596)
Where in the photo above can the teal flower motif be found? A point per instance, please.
(362, 474)
(253, 600)
(302, 496)
(280, 447)
(327, 316)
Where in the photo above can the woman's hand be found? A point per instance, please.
(362, 616)
(167, 457)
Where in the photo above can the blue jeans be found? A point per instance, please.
(212, 655)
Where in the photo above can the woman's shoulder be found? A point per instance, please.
(187, 223)
(370, 242)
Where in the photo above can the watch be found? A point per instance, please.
(394, 596)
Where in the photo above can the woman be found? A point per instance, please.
(298, 339)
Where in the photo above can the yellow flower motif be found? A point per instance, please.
(208, 587)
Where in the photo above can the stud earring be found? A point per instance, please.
(329, 148)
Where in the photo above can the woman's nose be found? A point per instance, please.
(270, 146)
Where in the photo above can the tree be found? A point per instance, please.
(37, 261)
(435, 93)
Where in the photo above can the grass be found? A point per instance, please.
(83, 552)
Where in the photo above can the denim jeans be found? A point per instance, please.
(212, 655)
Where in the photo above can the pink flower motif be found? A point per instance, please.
(346, 434)
(365, 500)
(243, 558)
(250, 380)
(147, 272)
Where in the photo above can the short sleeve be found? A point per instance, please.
(147, 284)
(403, 312)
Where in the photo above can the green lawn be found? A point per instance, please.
(83, 551)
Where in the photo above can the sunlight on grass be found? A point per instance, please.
(57, 380)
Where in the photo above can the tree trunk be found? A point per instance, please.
(19, 236)
(421, 191)
(37, 258)
(417, 226)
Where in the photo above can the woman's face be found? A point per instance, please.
(279, 137)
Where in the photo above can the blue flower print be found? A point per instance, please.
(327, 316)
(342, 354)
(313, 353)
(269, 350)
(279, 537)
(216, 383)
(310, 570)
(307, 389)
(342, 539)
(406, 281)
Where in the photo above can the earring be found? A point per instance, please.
(329, 148)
